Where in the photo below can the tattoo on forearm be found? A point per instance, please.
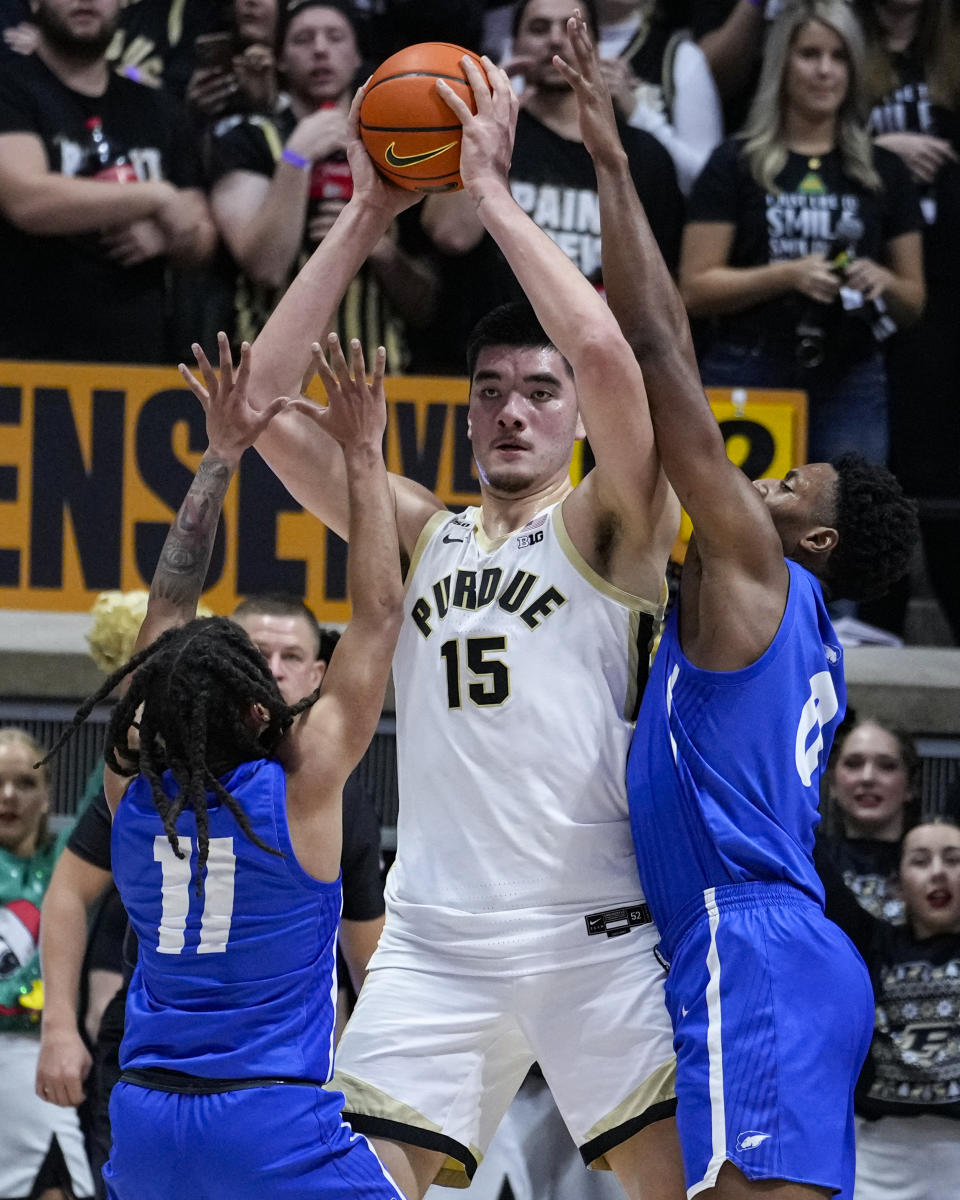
(186, 552)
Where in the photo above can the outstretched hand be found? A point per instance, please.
(233, 424)
(487, 144)
(369, 185)
(598, 124)
(356, 411)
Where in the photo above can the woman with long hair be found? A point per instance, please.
(872, 780)
(803, 240)
(907, 1099)
(41, 1146)
(227, 829)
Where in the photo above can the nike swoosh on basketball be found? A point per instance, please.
(410, 160)
(447, 539)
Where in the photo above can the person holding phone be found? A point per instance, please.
(236, 68)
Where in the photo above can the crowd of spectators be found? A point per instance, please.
(167, 165)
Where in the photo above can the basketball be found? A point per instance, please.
(411, 135)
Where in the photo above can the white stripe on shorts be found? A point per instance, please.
(718, 1116)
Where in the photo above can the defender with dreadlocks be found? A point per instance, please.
(226, 844)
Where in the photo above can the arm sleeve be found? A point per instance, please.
(185, 165)
(90, 837)
(902, 213)
(360, 859)
(707, 15)
(238, 144)
(714, 195)
(17, 107)
(842, 906)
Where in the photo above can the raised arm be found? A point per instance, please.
(177, 582)
(727, 512)
(627, 484)
(328, 742)
(304, 458)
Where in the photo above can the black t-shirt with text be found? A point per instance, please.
(553, 180)
(913, 1066)
(909, 108)
(63, 298)
(814, 196)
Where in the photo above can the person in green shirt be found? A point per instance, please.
(41, 1146)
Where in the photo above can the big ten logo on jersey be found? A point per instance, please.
(819, 710)
(470, 591)
(532, 533)
(571, 216)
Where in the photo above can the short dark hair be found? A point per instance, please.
(283, 604)
(587, 7)
(513, 324)
(877, 529)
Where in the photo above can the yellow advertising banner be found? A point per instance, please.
(95, 460)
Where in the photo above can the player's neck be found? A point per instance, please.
(504, 514)
(88, 77)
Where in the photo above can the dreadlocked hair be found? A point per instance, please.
(877, 530)
(196, 684)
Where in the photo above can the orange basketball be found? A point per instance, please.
(411, 135)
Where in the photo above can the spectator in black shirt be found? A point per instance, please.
(552, 179)
(99, 193)
(872, 780)
(908, 1096)
(803, 239)
(281, 178)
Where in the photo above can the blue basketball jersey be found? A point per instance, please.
(239, 981)
(724, 770)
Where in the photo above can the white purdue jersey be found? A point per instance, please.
(517, 678)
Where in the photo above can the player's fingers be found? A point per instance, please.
(353, 119)
(497, 84)
(226, 359)
(309, 408)
(481, 81)
(280, 404)
(357, 364)
(208, 373)
(579, 40)
(338, 362)
(194, 384)
(327, 377)
(570, 74)
(379, 368)
(450, 98)
(243, 374)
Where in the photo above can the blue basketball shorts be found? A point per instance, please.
(285, 1141)
(772, 1012)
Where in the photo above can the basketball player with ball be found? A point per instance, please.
(516, 930)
